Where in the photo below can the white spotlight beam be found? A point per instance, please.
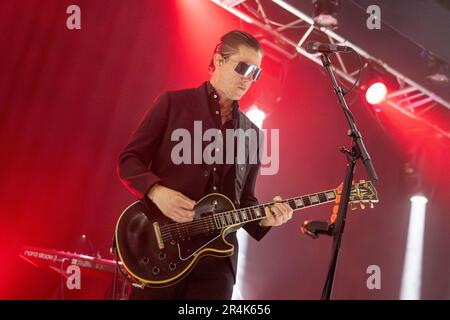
(412, 267)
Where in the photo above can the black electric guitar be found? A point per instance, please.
(157, 252)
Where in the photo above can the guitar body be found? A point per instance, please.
(154, 257)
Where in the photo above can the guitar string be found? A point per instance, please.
(175, 225)
(205, 221)
(193, 228)
(198, 226)
(208, 220)
(201, 229)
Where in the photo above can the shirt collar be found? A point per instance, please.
(211, 92)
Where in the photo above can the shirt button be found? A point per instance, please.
(214, 169)
(215, 96)
(214, 188)
(217, 112)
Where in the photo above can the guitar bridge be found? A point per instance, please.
(158, 235)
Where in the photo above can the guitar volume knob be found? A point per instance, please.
(172, 266)
(155, 270)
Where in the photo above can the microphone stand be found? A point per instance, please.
(358, 151)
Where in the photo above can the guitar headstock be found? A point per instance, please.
(364, 192)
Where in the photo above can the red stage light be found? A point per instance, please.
(376, 93)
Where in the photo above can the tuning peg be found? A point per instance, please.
(362, 205)
(371, 205)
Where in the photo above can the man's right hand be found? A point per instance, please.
(172, 204)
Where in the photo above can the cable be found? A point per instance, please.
(359, 73)
(115, 274)
(125, 278)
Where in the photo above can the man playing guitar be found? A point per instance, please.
(146, 165)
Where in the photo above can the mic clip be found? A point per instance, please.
(313, 228)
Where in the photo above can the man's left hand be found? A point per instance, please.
(277, 214)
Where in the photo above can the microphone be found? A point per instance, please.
(317, 47)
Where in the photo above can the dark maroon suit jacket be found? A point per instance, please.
(146, 159)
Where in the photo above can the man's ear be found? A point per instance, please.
(218, 60)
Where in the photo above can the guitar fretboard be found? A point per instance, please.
(238, 216)
(362, 192)
(218, 221)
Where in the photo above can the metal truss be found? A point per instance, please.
(411, 99)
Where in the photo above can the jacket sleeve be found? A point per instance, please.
(249, 199)
(136, 158)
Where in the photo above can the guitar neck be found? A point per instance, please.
(255, 213)
(362, 192)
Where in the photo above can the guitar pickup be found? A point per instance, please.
(158, 235)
